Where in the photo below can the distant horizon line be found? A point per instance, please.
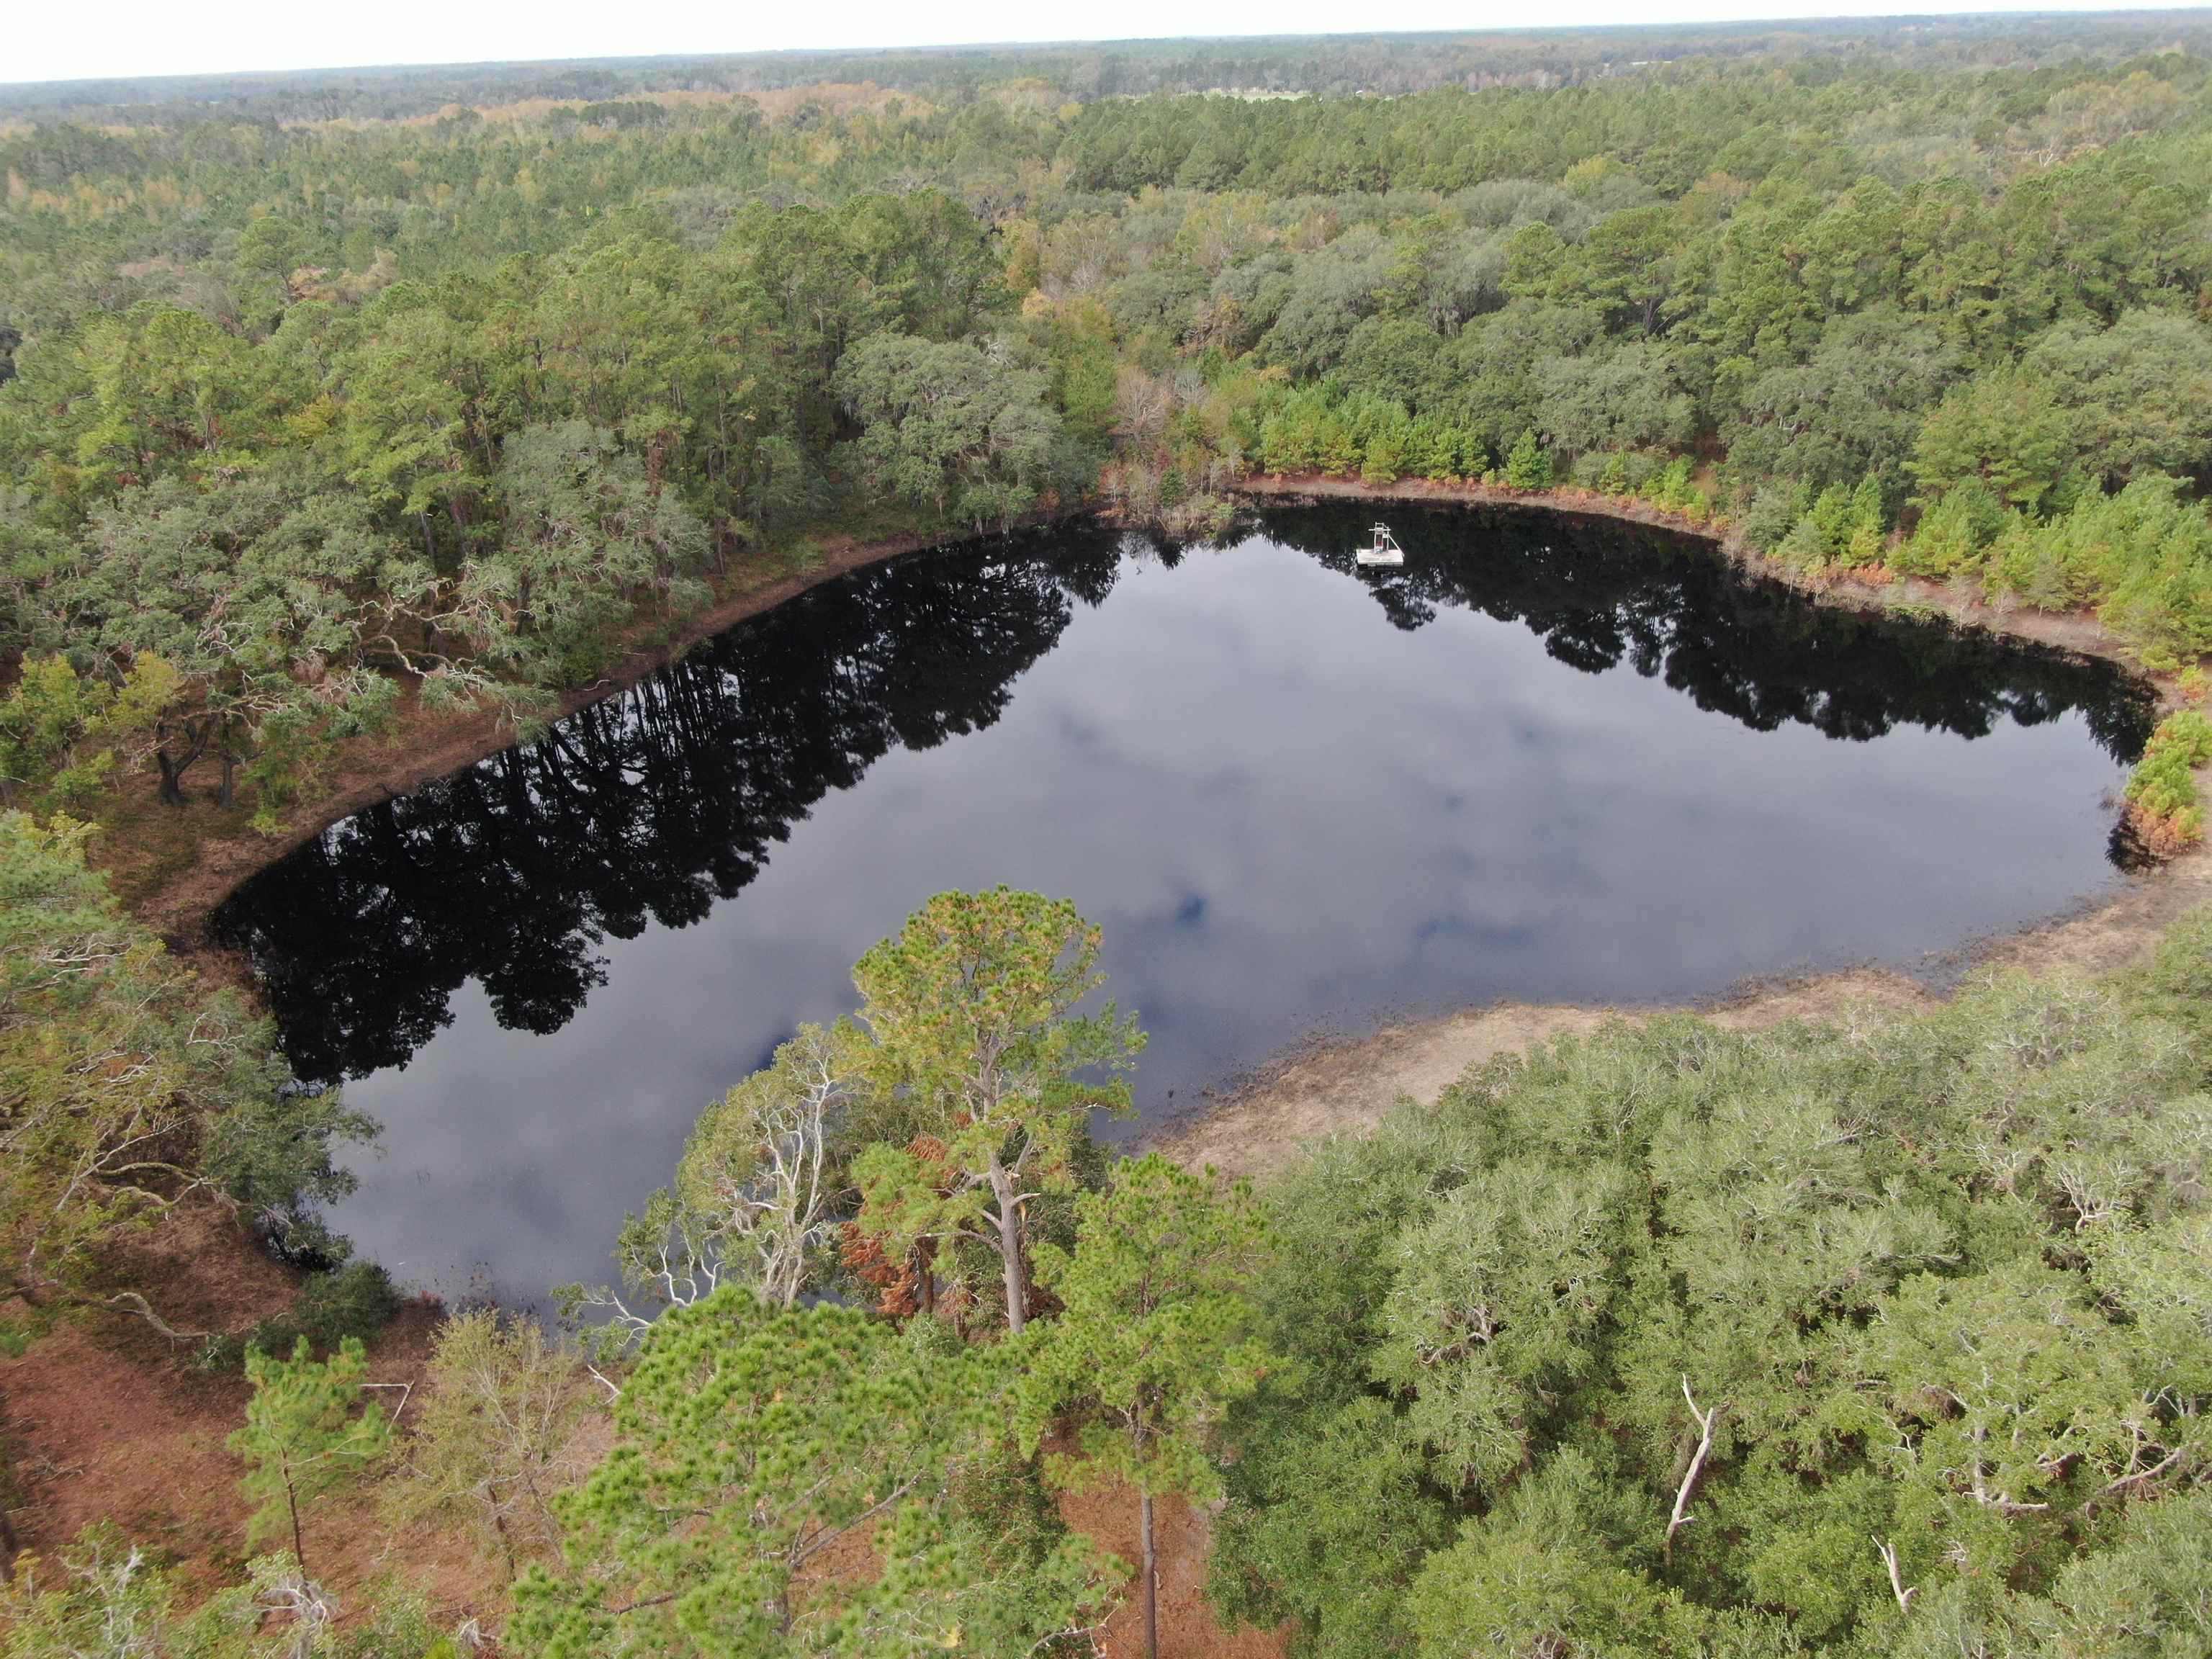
(1078, 43)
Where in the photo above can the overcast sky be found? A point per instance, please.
(44, 41)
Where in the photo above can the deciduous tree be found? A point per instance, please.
(495, 1422)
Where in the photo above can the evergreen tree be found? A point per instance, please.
(307, 1431)
(1153, 1343)
(975, 1040)
(1528, 465)
(757, 1445)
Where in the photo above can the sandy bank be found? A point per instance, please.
(1328, 1085)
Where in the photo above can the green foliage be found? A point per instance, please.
(2143, 1597)
(1853, 406)
(279, 1613)
(1931, 1284)
(257, 595)
(487, 472)
(2143, 555)
(102, 1597)
(2149, 555)
(523, 385)
(777, 1432)
(272, 1155)
(2163, 784)
(308, 1430)
(1538, 1577)
(131, 1087)
(589, 544)
(60, 732)
(1506, 1284)
(1151, 1348)
(2005, 431)
(1670, 486)
(975, 1040)
(519, 385)
(1334, 1527)
(1841, 528)
(493, 1435)
(2175, 983)
(946, 428)
(1773, 512)
(105, 1599)
(2136, 395)
(1954, 533)
(1627, 399)
(348, 1302)
(1528, 465)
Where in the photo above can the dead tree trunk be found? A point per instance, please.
(1898, 1587)
(1680, 1518)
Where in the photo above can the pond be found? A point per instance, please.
(1548, 759)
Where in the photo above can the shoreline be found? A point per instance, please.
(424, 748)
(427, 747)
(1322, 1083)
(1328, 1084)
(2076, 632)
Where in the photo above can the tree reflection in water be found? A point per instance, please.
(654, 806)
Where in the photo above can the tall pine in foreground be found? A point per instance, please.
(803, 1481)
(307, 1430)
(1153, 1344)
(974, 1039)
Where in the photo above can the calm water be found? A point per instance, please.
(1544, 760)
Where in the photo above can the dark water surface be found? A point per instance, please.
(1546, 760)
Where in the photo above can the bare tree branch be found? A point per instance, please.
(1704, 1421)
(1903, 1592)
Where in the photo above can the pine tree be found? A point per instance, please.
(974, 1039)
(1152, 1346)
(302, 1435)
(1530, 465)
(756, 1449)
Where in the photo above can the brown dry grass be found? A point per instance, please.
(1331, 1086)
(104, 1420)
(1183, 1539)
(102, 1423)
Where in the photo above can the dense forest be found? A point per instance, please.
(1337, 65)
(302, 416)
(329, 402)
